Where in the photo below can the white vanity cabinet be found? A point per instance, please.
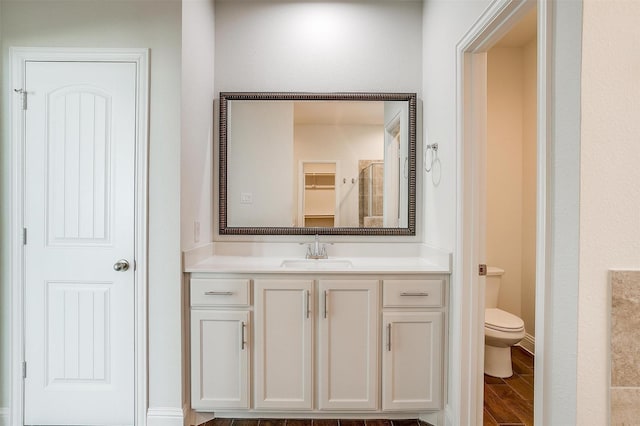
(348, 344)
(283, 343)
(220, 325)
(413, 344)
(314, 342)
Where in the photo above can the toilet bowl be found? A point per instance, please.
(501, 330)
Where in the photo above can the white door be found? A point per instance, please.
(219, 359)
(79, 214)
(283, 344)
(348, 340)
(411, 360)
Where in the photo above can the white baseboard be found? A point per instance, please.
(529, 343)
(4, 416)
(165, 416)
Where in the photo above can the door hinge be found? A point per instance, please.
(24, 369)
(24, 236)
(482, 269)
(22, 93)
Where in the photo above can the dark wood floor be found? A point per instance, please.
(510, 401)
(506, 402)
(313, 422)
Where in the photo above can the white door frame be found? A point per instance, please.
(18, 60)
(471, 94)
(301, 188)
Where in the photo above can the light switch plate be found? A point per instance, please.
(246, 198)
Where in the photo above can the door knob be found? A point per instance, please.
(121, 265)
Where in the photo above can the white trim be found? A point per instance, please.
(18, 58)
(497, 19)
(543, 228)
(165, 416)
(528, 343)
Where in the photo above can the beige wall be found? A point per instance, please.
(609, 185)
(261, 169)
(504, 171)
(511, 179)
(346, 143)
(529, 177)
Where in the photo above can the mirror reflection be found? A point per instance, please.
(304, 164)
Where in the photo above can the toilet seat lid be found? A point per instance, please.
(500, 320)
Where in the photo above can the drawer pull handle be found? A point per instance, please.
(308, 304)
(409, 293)
(389, 337)
(219, 293)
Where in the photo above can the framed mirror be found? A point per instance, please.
(317, 163)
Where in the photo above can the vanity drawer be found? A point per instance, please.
(412, 293)
(216, 292)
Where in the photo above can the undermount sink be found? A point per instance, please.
(316, 264)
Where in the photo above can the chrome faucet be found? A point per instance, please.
(316, 250)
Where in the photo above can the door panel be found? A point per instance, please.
(411, 360)
(348, 341)
(77, 333)
(219, 359)
(79, 181)
(283, 336)
(79, 213)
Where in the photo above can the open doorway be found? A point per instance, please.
(510, 226)
(473, 52)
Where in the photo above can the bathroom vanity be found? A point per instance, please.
(355, 331)
(271, 336)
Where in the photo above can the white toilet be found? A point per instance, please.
(501, 329)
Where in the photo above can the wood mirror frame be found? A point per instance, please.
(224, 229)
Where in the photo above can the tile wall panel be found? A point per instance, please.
(625, 348)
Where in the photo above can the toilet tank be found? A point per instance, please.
(494, 276)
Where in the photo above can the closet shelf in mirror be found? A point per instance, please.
(320, 186)
(319, 180)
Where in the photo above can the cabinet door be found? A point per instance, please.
(411, 360)
(219, 359)
(283, 342)
(348, 344)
